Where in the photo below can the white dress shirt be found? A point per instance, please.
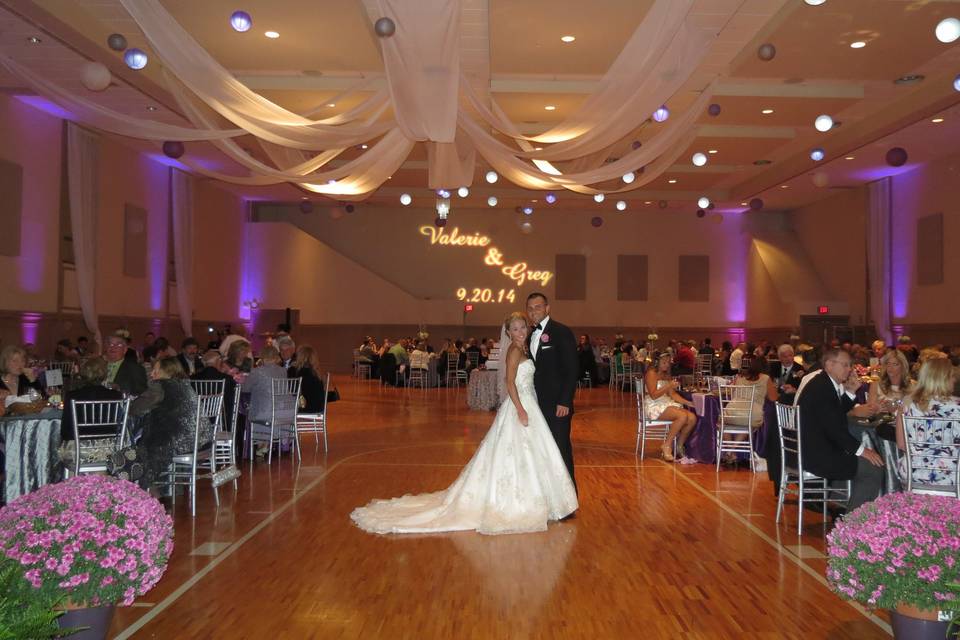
(535, 337)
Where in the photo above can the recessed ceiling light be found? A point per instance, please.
(859, 44)
(743, 204)
(331, 104)
(150, 107)
(760, 163)
(910, 78)
(363, 146)
(550, 107)
(784, 186)
(672, 181)
(34, 40)
(767, 112)
(648, 202)
(711, 150)
(937, 120)
(568, 39)
(814, 3)
(271, 34)
(850, 157)
(538, 148)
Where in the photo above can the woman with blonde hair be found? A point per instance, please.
(894, 382)
(306, 366)
(932, 397)
(662, 402)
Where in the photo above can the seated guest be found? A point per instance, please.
(726, 352)
(400, 355)
(260, 386)
(707, 348)
(894, 382)
(686, 359)
(83, 346)
(369, 354)
(189, 356)
(933, 397)
(166, 415)
(306, 366)
(829, 450)
(662, 402)
(88, 385)
(736, 357)
(288, 351)
(472, 348)
(755, 376)
(64, 351)
(238, 357)
(213, 369)
(17, 377)
(419, 357)
(786, 374)
(123, 373)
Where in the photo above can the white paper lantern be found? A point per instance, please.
(823, 123)
(703, 202)
(598, 197)
(492, 201)
(621, 205)
(95, 76)
(699, 159)
(948, 30)
(135, 58)
(405, 199)
(463, 192)
(629, 177)
(492, 176)
(814, 3)
(956, 83)
(817, 154)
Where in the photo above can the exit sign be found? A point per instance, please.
(823, 309)
(467, 308)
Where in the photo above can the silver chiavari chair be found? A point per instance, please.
(98, 420)
(282, 425)
(316, 423)
(183, 471)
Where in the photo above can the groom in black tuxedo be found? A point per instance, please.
(554, 352)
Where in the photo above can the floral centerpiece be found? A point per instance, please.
(98, 540)
(901, 549)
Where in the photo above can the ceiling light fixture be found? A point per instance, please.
(859, 44)
(363, 146)
(492, 177)
(823, 123)
(817, 154)
(784, 186)
(150, 107)
(331, 104)
(956, 83)
(405, 199)
(34, 40)
(492, 201)
(661, 114)
(711, 150)
(698, 159)
(567, 39)
(550, 107)
(948, 30)
(599, 197)
(273, 35)
(814, 3)
(672, 181)
(743, 204)
(621, 205)
(463, 192)
(910, 78)
(703, 202)
(937, 120)
(767, 112)
(850, 158)
(629, 177)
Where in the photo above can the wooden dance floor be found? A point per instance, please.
(656, 551)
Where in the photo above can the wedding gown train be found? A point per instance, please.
(516, 482)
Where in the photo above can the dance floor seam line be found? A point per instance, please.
(782, 550)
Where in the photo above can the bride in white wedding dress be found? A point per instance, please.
(516, 482)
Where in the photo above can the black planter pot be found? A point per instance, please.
(96, 618)
(906, 627)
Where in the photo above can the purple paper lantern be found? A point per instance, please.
(117, 41)
(385, 27)
(135, 58)
(701, 213)
(241, 21)
(636, 144)
(440, 222)
(173, 149)
(756, 204)
(897, 157)
(662, 204)
(528, 210)
(550, 197)
(306, 206)
(767, 52)
(350, 208)
(596, 221)
(661, 114)
(714, 109)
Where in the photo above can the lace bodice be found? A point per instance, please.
(524, 378)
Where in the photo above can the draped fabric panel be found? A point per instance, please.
(181, 212)
(83, 173)
(878, 256)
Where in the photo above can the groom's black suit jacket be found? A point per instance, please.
(557, 367)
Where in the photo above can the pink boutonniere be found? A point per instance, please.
(545, 338)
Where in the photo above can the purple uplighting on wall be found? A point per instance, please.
(29, 323)
(735, 272)
(46, 106)
(906, 196)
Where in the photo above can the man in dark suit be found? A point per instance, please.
(189, 356)
(212, 369)
(786, 374)
(829, 450)
(123, 373)
(554, 352)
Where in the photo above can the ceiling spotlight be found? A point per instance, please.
(661, 114)
(703, 202)
(910, 78)
(814, 3)
(699, 159)
(823, 123)
(850, 158)
(621, 205)
(743, 204)
(34, 40)
(492, 201)
(331, 104)
(463, 192)
(273, 35)
(948, 30)
(629, 177)
(443, 193)
(767, 112)
(567, 39)
(491, 176)
(859, 44)
(550, 197)
(711, 151)
(937, 120)
(817, 154)
(550, 107)
(405, 199)
(784, 186)
(528, 210)
(672, 181)
(598, 197)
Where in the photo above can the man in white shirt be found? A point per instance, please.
(736, 358)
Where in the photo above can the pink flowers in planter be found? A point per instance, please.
(97, 539)
(901, 548)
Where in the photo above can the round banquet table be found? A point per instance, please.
(30, 444)
(702, 443)
(482, 391)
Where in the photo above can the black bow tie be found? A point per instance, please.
(538, 327)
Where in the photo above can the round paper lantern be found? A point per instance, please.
(306, 206)
(551, 197)
(767, 52)
(716, 218)
(756, 204)
(527, 210)
(135, 59)
(714, 109)
(662, 204)
(492, 201)
(814, 3)
(661, 114)
(821, 179)
(95, 76)
(598, 197)
(621, 205)
(629, 177)
(440, 222)
(241, 21)
(817, 154)
(699, 159)
(948, 30)
(117, 41)
(491, 177)
(350, 208)
(173, 149)
(443, 193)
(405, 199)
(463, 192)
(596, 221)
(897, 157)
(823, 123)
(526, 227)
(636, 144)
(385, 27)
(701, 213)
(956, 83)
(703, 202)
